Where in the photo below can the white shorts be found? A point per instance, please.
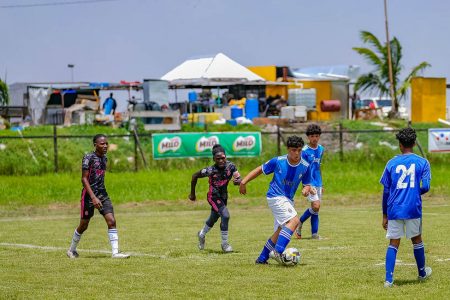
(282, 210)
(317, 196)
(396, 228)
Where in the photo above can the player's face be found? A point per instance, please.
(101, 146)
(294, 154)
(314, 140)
(220, 159)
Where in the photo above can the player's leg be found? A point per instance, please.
(394, 233)
(414, 231)
(224, 220)
(86, 212)
(315, 219)
(108, 213)
(311, 198)
(268, 247)
(212, 219)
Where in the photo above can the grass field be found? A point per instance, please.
(347, 263)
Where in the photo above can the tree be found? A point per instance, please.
(378, 79)
(4, 96)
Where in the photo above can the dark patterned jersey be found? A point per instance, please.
(97, 167)
(219, 178)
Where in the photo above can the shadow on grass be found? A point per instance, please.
(218, 252)
(400, 282)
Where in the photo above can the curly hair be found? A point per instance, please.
(97, 136)
(407, 137)
(313, 129)
(295, 142)
(217, 148)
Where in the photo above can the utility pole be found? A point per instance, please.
(71, 66)
(391, 76)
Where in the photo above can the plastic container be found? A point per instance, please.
(330, 105)
(232, 122)
(192, 96)
(236, 112)
(251, 108)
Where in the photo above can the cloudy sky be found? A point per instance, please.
(112, 40)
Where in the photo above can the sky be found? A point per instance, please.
(136, 39)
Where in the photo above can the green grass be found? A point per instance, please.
(348, 263)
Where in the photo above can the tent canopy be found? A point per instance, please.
(218, 70)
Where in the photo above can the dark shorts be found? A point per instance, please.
(87, 208)
(217, 203)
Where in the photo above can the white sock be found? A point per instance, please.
(114, 240)
(224, 235)
(205, 230)
(75, 240)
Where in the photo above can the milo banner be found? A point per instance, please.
(195, 144)
(439, 140)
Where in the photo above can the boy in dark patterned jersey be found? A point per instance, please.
(94, 195)
(219, 175)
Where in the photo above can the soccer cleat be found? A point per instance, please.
(388, 284)
(259, 262)
(227, 248)
(201, 241)
(427, 274)
(120, 255)
(276, 256)
(316, 236)
(72, 254)
(298, 232)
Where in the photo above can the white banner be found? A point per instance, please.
(439, 140)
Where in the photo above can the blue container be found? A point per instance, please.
(251, 108)
(192, 96)
(232, 122)
(236, 112)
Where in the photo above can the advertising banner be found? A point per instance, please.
(439, 140)
(199, 144)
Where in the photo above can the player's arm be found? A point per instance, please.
(85, 181)
(236, 176)
(384, 206)
(426, 178)
(195, 176)
(250, 176)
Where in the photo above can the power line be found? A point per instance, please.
(53, 3)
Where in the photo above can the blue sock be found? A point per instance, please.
(315, 223)
(391, 255)
(419, 254)
(283, 239)
(269, 246)
(306, 215)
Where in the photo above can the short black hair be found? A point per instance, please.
(295, 142)
(97, 136)
(407, 137)
(217, 148)
(313, 129)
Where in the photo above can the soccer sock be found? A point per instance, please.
(75, 240)
(269, 246)
(419, 254)
(315, 222)
(283, 239)
(224, 235)
(306, 215)
(391, 255)
(114, 240)
(205, 230)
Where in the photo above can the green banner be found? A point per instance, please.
(195, 144)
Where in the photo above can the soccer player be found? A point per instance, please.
(94, 195)
(402, 203)
(288, 172)
(219, 175)
(313, 153)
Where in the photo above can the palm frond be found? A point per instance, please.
(401, 92)
(369, 55)
(371, 39)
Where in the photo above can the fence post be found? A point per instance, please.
(278, 140)
(341, 142)
(135, 152)
(55, 147)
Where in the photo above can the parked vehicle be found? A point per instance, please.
(384, 103)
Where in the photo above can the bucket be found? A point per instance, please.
(251, 108)
(236, 112)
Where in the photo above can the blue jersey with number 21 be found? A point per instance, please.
(286, 177)
(402, 176)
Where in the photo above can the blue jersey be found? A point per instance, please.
(314, 158)
(402, 176)
(286, 177)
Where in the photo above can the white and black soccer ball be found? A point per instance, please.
(291, 256)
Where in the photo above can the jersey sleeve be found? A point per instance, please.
(386, 178)
(269, 167)
(85, 162)
(307, 178)
(426, 174)
(206, 172)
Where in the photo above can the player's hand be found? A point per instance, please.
(242, 188)
(97, 203)
(306, 190)
(385, 222)
(192, 197)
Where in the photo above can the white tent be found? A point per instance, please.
(211, 71)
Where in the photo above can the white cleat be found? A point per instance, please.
(428, 272)
(388, 284)
(72, 254)
(276, 256)
(316, 236)
(227, 248)
(201, 241)
(120, 255)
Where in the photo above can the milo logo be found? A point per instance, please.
(206, 143)
(244, 143)
(167, 144)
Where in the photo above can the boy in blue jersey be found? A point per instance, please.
(288, 172)
(402, 203)
(313, 153)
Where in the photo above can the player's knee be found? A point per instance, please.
(315, 206)
(417, 239)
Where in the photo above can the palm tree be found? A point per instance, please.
(378, 80)
(4, 96)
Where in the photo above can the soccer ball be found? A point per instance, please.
(291, 256)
